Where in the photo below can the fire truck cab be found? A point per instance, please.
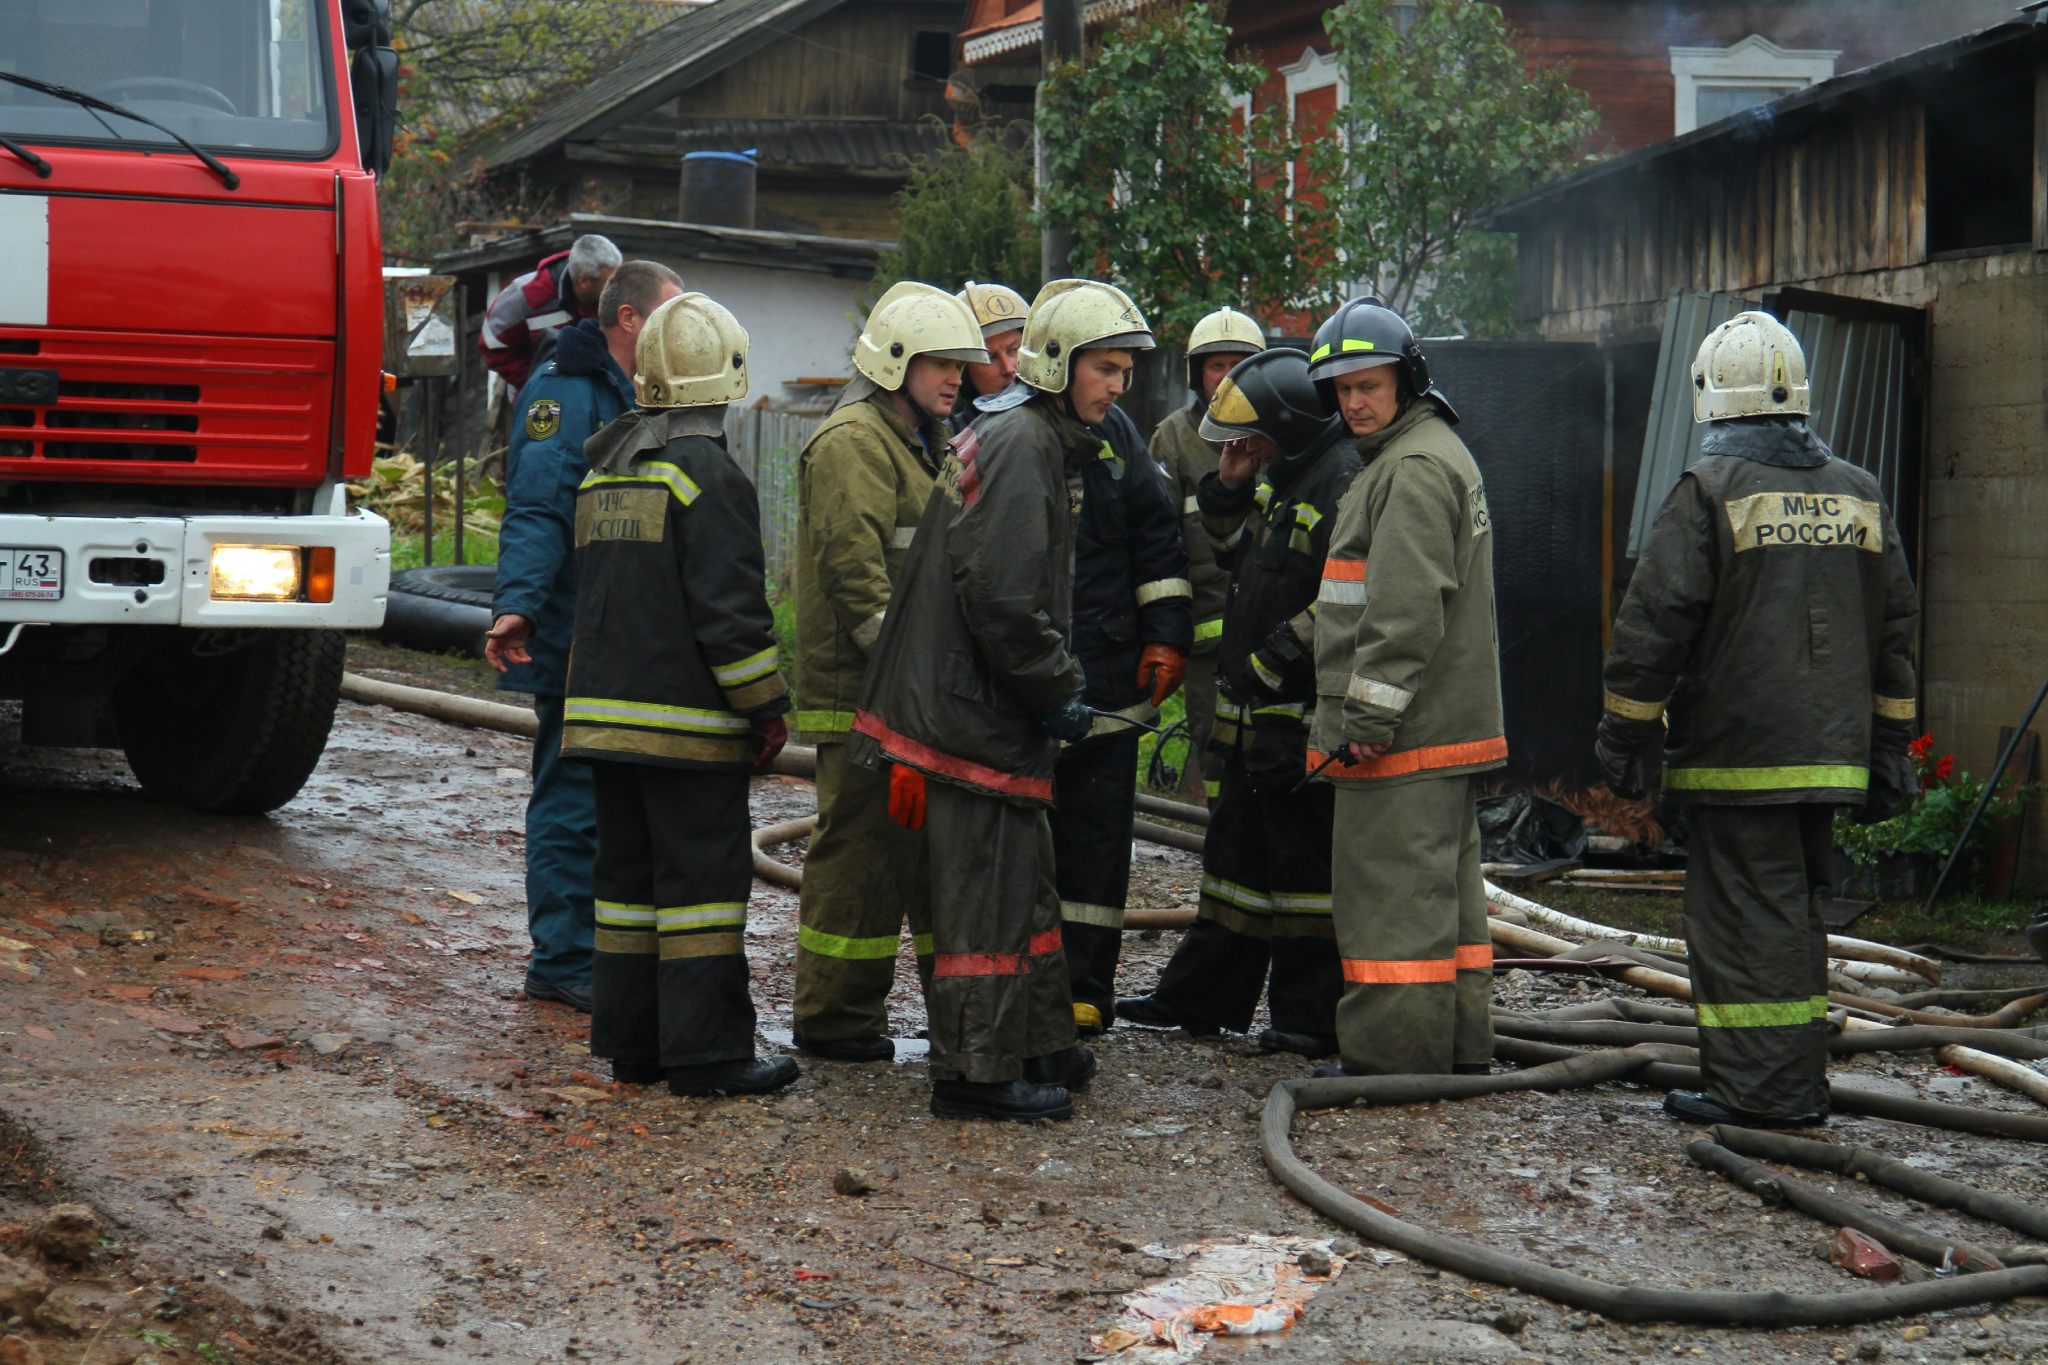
(191, 321)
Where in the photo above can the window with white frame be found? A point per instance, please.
(1716, 82)
(1316, 89)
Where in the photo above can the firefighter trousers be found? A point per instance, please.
(669, 983)
(1265, 903)
(1756, 877)
(1096, 785)
(863, 876)
(1411, 927)
(1198, 695)
(998, 990)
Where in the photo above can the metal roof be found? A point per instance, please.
(1758, 124)
(845, 144)
(848, 257)
(655, 68)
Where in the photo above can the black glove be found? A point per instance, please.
(1894, 781)
(1630, 754)
(1281, 656)
(1071, 722)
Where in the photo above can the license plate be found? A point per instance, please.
(28, 386)
(31, 575)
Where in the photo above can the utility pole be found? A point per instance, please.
(1061, 39)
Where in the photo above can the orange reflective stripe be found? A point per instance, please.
(1415, 760)
(1344, 570)
(1474, 955)
(1372, 973)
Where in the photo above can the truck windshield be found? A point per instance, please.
(239, 76)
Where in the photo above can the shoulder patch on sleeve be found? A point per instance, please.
(1482, 519)
(543, 419)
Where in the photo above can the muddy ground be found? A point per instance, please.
(288, 1061)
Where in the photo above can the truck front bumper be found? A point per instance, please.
(108, 562)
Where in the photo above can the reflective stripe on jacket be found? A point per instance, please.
(675, 654)
(1179, 449)
(1770, 620)
(862, 483)
(1406, 645)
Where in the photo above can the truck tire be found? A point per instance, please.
(231, 721)
(443, 609)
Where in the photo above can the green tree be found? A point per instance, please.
(1443, 118)
(1153, 171)
(965, 214)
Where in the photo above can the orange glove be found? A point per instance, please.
(906, 796)
(773, 734)
(1161, 668)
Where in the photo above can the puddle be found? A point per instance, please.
(907, 1049)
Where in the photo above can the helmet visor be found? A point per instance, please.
(1122, 341)
(999, 326)
(1213, 430)
(1348, 364)
(969, 355)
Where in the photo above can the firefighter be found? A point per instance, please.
(569, 399)
(1766, 545)
(674, 697)
(1000, 312)
(1408, 703)
(973, 686)
(519, 327)
(862, 483)
(1217, 342)
(1266, 862)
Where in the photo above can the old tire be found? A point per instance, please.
(441, 609)
(231, 722)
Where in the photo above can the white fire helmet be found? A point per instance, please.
(1750, 366)
(911, 320)
(691, 354)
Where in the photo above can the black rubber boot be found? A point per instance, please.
(1143, 1009)
(1071, 1068)
(638, 1073)
(872, 1048)
(1690, 1106)
(1302, 1044)
(575, 997)
(1018, 1100)
(756, 1077)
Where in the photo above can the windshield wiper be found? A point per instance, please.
(79, 97)
(36, 163)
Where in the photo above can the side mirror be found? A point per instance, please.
(366, 23)
(373, 77)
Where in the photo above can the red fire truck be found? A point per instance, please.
(191, 319)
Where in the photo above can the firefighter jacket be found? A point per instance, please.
(567, 401)
(1406, 646)
(1130, 573)
(675, 653)
(1769, 622)
(1271, 538)
(525, 313)
(862, 482)
(977, 643)
(1178, 447)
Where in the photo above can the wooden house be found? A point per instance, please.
(1897, 218)
(833, 96)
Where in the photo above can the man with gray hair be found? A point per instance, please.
(519, 327)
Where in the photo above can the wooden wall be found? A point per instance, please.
(1847, 197)
(851, 63)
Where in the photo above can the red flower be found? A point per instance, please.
(1945, 767)
(1919, 747)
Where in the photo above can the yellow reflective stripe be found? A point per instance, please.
(1306, 516)
(1354, 344)
(1188, 506)
(747, 669)
(1767, 779)
(652, 471)
(1266, 675)
(1158, 588)
(1209, 630)
(921, 944)
(824, 722)
(721, 914)
(1893, 708)
(1773, 1014)
(1317, 354)
(1628, 708)
(1080, 912)
(1230, 893)
(625, 916)
(847, 949)
(1303, 905)
(598, 709)
(1212, 790)
(1296, 709)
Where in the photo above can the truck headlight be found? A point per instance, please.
(254, 573)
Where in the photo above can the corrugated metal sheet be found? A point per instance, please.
(850, 144)
(1856, 369)
(658, 66)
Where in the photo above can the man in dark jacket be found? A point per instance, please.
(1266, 861)
(519, 327)
(972, 684)
(583, 387)
(674, 697)
(1770, 626)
